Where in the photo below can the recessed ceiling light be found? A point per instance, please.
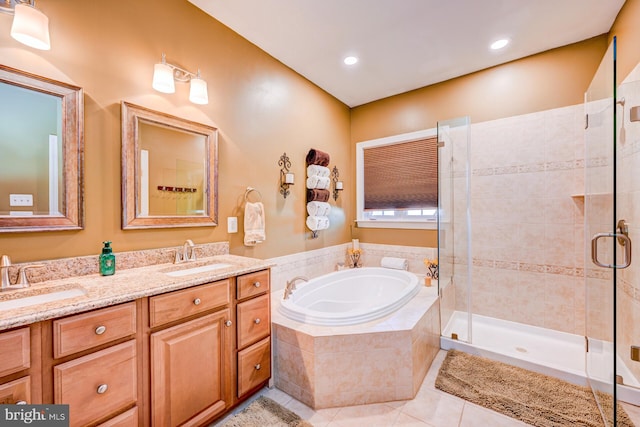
(499, 44)
(350, 60)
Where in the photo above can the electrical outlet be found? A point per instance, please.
(232, 224)
(20, 199)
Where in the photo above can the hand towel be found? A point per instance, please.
(318, 195)
(395, 263)
(317, 157)
(316, 223)
(254, 224)
(320, 182)
(318, 208)
(318, 170)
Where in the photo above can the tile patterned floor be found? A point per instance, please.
(430, 408)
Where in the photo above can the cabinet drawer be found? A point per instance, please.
(88, 330)
(254, 320)
(15, 351)
(253, 284)
(98, 384)
(16, 391)
(180, 304)
(126, 419)
(254, 366)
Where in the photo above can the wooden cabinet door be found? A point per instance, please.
(191, 371)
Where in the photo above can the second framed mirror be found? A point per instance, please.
(169, 170)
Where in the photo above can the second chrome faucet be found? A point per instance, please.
(188, 252)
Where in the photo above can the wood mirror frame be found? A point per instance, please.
(132, 116)
(71, 215)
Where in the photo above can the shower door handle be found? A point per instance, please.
(621, 238)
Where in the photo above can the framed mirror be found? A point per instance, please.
(42, 143)
(169, 170)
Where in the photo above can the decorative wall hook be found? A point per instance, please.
(286, 177)
(337, 185)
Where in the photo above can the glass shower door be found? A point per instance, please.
(600, 243)
(454, 229)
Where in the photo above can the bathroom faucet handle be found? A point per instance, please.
(22, 274)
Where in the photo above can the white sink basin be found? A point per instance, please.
(196, 270)
(40, 298)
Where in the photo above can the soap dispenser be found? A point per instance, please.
(107, 260)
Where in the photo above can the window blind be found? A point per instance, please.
(401, 176)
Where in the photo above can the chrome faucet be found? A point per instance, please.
(22, 282)
(291, 285)
(188, 252)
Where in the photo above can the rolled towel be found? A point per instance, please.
(318, 170)
(317, 195)
(322, 183)
(318, 208)
(312, 182)
(395, 263)
(317, 157)
(315, 223)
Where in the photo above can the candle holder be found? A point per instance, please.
(354, 258)
(432, 268)
(337, 185)
(286, 177)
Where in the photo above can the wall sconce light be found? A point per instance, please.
(337, 185)
(165, 75)
(30, 26)
(286, 177)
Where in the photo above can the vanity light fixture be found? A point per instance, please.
(338, 186)
(165, 75)
(286, 177)
(30, 26)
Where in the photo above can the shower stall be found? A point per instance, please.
(537, 214)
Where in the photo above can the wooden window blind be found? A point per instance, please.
(401, 176)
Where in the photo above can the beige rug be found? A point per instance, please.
(530, 397)
(264, 412)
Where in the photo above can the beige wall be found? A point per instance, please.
(627, 31)
(261, 107)
(551, 79)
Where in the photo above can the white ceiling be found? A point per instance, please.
(405, 44)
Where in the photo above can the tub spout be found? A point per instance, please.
(291, 285)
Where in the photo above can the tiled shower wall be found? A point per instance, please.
(527, 223)
(628, 196)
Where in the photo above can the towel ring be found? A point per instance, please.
(248, 191)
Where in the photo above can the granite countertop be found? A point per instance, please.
(125, 285)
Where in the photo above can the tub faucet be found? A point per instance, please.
(291, 285)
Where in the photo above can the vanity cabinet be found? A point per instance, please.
(95, 364)
(253, 332)
(15, 354)
(184, 358)
(191, 366)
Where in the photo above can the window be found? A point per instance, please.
(397, 181)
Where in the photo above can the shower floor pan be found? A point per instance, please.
(546, 351)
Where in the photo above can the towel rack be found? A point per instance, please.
(248, 191)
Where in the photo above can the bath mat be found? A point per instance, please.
(264, 412)
(533, 398)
